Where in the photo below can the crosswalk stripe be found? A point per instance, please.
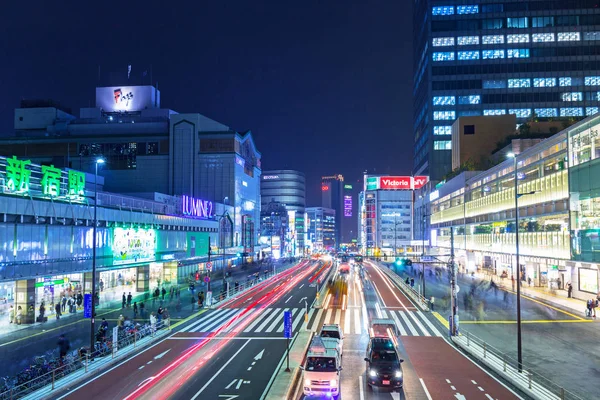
(347, 315)
(425, 331)
(315, 322)
(399, 325)
(280, 329)
(208, 327)
(357, 328)
(411, 328)
(205, 327)
(299, 318)
(435, 331)
(276, 321)
(384, 314)
(234, 327)
(338, 316)
(208, 317)
(328, 316)
(266, 320)
(258, 319)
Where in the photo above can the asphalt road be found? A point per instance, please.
(560, 345)
(234, 349)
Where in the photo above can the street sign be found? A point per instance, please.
(115, 338)
(87, 305)
(207, 279)
(209, 266)
(287, 324)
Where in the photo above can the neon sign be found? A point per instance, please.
(196, 207)
(347, 206)
(324, 188)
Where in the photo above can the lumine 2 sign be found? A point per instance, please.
(196, 207)
(24, 178)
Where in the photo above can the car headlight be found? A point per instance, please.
(398, 374)
(372, 373)
(333, 383)
(307, 382)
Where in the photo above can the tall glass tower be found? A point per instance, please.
(532, 58)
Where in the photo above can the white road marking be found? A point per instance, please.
(347, 315)
(266, 321)
(338, 316)
(361, 388)
(219, 371)
(231, 384)
(288, 299)
(435, 331)
(301, 286)
(328, 316)
(317, 319)
(257, 319)
(452, 387)
(408, 324)
(237, 387)
(474, 383)
(489, 397)
(425, 331)
(280, 329)
(425, 388)
(206, 318)
(357, 329)
(299, 317)
(448, 381)
(480, 388)
(219, 322)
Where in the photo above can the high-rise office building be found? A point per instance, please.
(533, 58)
(332, 188)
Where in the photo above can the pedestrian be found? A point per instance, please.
(11, 315)
(412, 282)
(58, 311)
(101, 285)
(159, 314)
(135, 310)
(529, 281)
(63, 303)
(97, 298)
(120, 321)
(594, 305)
(142, 309)
(201, 299)
(178, 292)
(19, 315)
(63, 346)
(42, 312)
(123, 300)
(104, 324)
(129, 299)
(164, 292)
(432, 302)
(558, 283)
(152, 321)
(569, 290)
(79, 300)
(588, 308)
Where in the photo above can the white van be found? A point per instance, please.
(322, 370)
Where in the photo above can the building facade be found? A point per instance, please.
(332, 189)
(274, 227)
(288, 187)
(528, 58)
(320, 228)
(557, 221)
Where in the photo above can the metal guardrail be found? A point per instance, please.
(407, 289)
(78, 364)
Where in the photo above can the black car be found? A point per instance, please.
(384, 367)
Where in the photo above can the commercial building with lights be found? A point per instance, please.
(148, 150)
(528, 58)
(47, 234)
(558, 217)
(332, 188)
(386, 214)
(289, 188)
(320, 229)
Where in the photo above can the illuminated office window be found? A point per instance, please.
(591, 35)
(517, 38)
(444, 115)
(491, 54)
(473, 99)
(571, 96)
(597, 96)
(517, 53)
(468, 55)
(444, 100)
(467, 40)
(494, 112)
(443, 56)
(566, 81)
(443, 41)
(474, 9)
(542, 22)
(442, 145)
(520, 112)
(592, 80)
(492, 39)
(443, 10)
(546, 112)
(442, 130)
(494, 84)
(519, 22)
(544, 82)
(571, 112)
(469, 113)
(519, 83)
(542, 37)
(591, 111)
(568, 36)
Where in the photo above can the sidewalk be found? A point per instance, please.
(19, 346)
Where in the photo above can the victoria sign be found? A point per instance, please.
(196, 207)
(395, 182)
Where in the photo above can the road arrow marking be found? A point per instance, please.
(228, 396)
(460, 396)
(231, 384)
(302, 299)
(259, 355)
(146, 380)
(161, 355)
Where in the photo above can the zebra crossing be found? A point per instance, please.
(353, 320)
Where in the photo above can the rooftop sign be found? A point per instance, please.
(196, 207)
(127, 98)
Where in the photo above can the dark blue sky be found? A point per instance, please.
(325, 86)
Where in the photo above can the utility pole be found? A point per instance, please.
(208, 287)
(453, 288)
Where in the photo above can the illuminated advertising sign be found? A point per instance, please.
(372, 183)
(419, 181)
(324, 188)
(349, 187)
(347, 206)
(395, 182)
(270, 177)
(133, 245)
(196, 208)
(127, 98)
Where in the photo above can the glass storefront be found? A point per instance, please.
(52, 289)
(588, 280)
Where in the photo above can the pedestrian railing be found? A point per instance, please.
(534, 383)
(407, 289)
(324, 286)
(43, 379)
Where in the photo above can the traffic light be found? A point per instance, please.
(239, 255)
(403, 262)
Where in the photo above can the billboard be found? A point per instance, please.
(419, 181)
(127, 98)
(133, 245)
(395, 182)
(347, 206)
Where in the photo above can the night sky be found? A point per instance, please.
(325, 86)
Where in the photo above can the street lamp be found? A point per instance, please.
(99, 161)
